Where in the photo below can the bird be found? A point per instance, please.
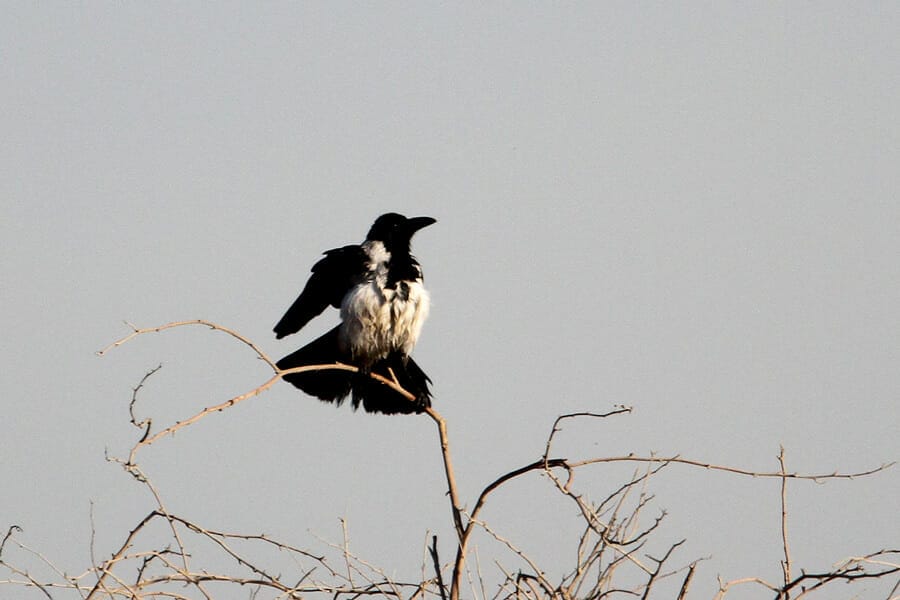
(378, 287)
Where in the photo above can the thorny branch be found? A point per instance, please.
(612, 537)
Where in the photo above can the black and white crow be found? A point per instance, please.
(378, 287)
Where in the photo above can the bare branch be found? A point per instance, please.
(786, 564)
(724, 587)
(735, 470)
(146, 423)
(137, 331)
(448, 471)
(616, 532)
(556, 429)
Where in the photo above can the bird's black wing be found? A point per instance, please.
(331, 279)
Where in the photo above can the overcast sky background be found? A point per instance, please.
(691, 209)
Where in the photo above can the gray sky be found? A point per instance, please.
(691, 209)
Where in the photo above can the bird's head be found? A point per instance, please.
(395, 231)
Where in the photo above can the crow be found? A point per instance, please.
(377, 285)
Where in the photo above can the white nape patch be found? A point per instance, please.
(378, 321)
(378, 255)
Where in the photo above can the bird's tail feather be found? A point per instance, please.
(376, 396)
(333, 385)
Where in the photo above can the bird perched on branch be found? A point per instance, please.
(377, 285)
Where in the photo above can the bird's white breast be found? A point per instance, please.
(377, 320)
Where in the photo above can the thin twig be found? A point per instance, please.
(9, 533)
(448, 471)
(786, 564)
(437, 567)
(145, 423)
(556, 428)
(215, 326)
(687, 581)
(345, 548)
(725, 586)
(735, 470)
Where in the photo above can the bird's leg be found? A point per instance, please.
(394, 377)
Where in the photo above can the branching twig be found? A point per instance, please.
(659, 564)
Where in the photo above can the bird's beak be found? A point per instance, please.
(416, 223)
